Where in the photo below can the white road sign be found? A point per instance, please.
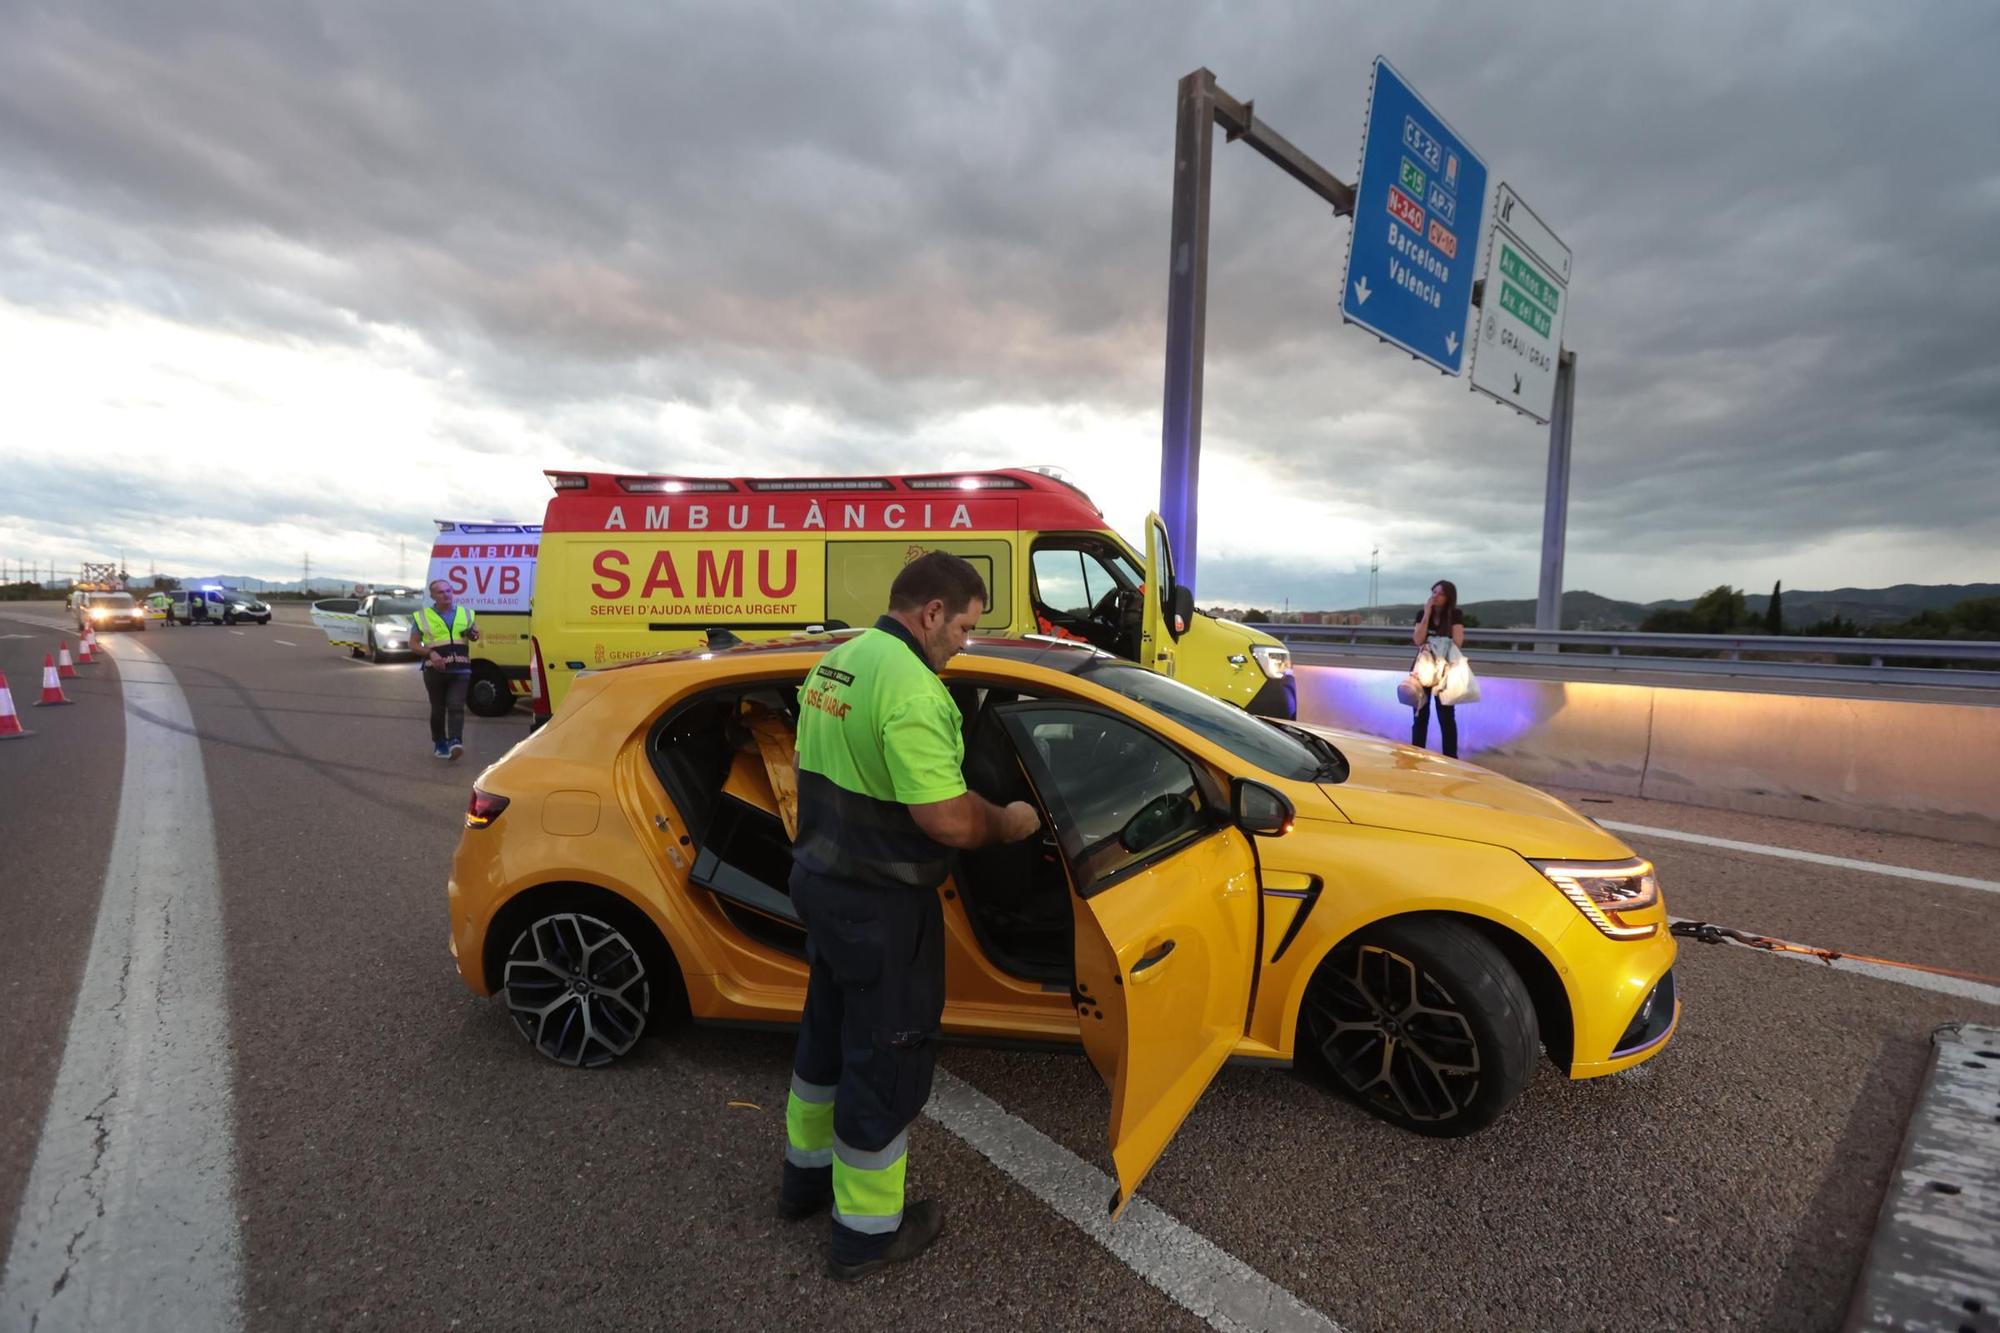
(1521, 313)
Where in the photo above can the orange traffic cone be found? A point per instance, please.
(64, 667)
(51, 684)
(10, 721)
(83, 657)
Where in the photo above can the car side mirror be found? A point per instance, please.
(1180, 610)
(1259, 809)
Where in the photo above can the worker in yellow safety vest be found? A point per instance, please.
(882, 800)
(444, 633)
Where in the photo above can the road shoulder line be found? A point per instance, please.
(1811, 858)
(1195, 1273)
(128, 1220)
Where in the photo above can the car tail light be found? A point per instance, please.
(483, 808)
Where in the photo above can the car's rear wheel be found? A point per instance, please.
(1424, 1023)
(580, 988)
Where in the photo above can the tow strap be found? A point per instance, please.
(1707, 932)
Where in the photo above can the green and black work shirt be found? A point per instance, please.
(878, 733)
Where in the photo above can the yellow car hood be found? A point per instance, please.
(1419, 791)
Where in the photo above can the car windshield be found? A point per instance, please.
(112, 599)
(1244, 736)
(395, 606)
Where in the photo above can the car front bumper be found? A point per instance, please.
(1625, 1003)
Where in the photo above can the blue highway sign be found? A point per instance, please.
(1417, 214)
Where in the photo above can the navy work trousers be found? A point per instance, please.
(874, 1003)
(447, 690)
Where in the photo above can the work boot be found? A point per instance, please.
(798, 1210)
(922, 1223)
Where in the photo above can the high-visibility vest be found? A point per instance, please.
(446, 639)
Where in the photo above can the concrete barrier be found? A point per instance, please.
(1931, 769)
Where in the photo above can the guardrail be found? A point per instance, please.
(1772, 656)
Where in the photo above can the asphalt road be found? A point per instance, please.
(403, 1161)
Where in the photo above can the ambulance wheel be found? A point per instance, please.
(585, 976)
(1424, 1023)
(489, 695)
(375, 653)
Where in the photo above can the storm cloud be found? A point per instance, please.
(752, 237)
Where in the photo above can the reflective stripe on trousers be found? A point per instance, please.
(809, 1124)
(868, 1186)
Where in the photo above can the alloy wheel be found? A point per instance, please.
(1393, 1035)
(577, 989)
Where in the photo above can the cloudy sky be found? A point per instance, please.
(278, 279)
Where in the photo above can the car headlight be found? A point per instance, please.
(1604, 890)
(1275, 659)
(97, 613)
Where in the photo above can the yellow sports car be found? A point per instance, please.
(1208, 886)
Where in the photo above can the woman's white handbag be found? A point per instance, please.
(1459, 686)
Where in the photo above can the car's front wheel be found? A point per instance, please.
(1424, 1023)
(579, 987)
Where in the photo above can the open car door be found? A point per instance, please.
(1157, 631)
(340, 618)
(1165, 905)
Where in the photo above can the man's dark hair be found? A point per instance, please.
(937, 576)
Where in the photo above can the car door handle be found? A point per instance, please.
(1158, 955)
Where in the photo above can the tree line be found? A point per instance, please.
(1723, 610)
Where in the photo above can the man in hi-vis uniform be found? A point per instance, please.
(882, 795)
(447, 632)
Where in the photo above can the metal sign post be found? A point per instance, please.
(1555, 505)
(1202, 105)
(1187, 319)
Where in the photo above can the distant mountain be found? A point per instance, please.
(325, 583)
(1588, 610)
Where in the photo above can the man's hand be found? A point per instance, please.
(1018, 821)
(970, 820)
(435, 661)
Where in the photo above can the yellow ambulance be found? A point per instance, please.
(634, 566)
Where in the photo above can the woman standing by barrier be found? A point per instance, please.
(1440, 618)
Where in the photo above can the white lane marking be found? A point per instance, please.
(1815, 858)
(237, 632)
(1959, 986)
(129, 1217)
(287, 642)
(1198, 1275)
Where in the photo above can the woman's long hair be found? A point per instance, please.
(1441, 623)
